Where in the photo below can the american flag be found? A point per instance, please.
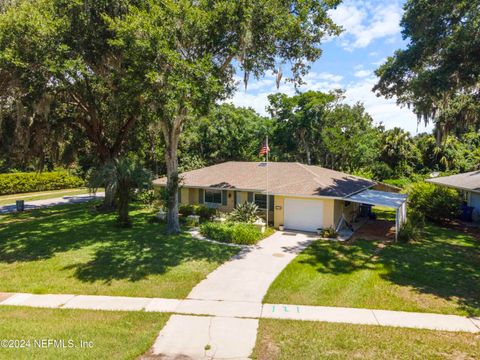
(264, 149)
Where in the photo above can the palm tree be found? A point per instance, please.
(122, 176)
(397, 147)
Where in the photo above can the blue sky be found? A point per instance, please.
(371, 34)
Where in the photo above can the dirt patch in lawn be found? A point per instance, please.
(376, 230)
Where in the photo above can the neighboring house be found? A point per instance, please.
(301, 197)
(468, 183)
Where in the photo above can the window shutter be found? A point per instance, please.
(179, 196)
(224, 197)
(250, 197)
(235, 199)
(200, 196)
(271, 205)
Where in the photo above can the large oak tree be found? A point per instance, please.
(438, 73)
(59, 69)
(186, 53)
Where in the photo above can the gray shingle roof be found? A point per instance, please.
(466, 181)
(284, 178)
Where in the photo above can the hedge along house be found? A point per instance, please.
(468, 184)
(301, 197)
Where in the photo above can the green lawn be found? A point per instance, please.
(440, 273)
(114, 334)
(42, 195)
(70, 249)
(287, 339)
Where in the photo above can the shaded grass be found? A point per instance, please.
(440, 273)
(115, 334)
(287, 339)
(69, 249)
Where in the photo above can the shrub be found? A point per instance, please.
(191, 222)
(329, 233)
(217, 231)
(409, 231)
(246, 234)
(187, 210)
(246, 212)
(205, 213)
(434, 202)
(29, 182)
(147, 197)
(230, 232)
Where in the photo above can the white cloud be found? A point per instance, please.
(363, 22)
(380, 62)
(383, 110)
(362, 73)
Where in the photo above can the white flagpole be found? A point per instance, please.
(268, 205)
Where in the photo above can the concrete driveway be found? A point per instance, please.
(248, 275)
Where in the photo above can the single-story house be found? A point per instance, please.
(468, 183)
(300, 197)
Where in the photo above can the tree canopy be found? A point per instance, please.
(438, 73)
(184, 55)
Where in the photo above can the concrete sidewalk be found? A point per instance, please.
(36, 204)
(248, 310)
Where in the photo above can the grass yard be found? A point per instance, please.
(42, 195)
(115, 334)
(286, 339)
(440, 273)
(70, 249)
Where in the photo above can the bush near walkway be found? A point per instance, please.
(231, 232)
(16, 183)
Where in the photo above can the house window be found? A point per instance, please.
(213, 196)
(261, 201)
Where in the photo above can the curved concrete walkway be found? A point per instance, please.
(248, 275)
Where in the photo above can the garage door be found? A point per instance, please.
(303, 214)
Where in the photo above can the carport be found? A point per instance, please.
(384, 198)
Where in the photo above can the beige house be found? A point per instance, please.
(300, 197)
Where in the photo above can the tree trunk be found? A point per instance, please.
(123, 200)
(109, 199)
(173, 226)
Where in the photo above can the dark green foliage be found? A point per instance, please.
(205, 212)
(315, 128)
(409, 232)
(122, 177)
(29, 182)
(187, 210)
(436, 203)
(146, 196)
(246, 212)
(437, 73)
(230, 232)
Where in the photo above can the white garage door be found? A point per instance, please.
(303, 214)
